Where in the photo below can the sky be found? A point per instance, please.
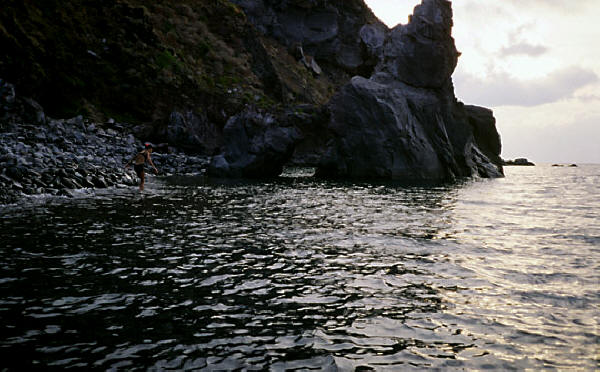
(535, 63)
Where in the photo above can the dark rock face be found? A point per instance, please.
(192, 132)
(487, 138)
(422, 53)
(405, 122)
(395, 131)
(374, 134)
(328, 30)
(519, 161)
(256, 146)
(400, 120)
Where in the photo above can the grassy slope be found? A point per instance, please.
(137, 60)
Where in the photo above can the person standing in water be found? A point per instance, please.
(139, 160)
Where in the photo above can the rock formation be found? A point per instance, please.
(255, 84)
(401, 122)
(328, 30)
(405, 122)
(257, 146)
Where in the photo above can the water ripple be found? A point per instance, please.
(304, 274)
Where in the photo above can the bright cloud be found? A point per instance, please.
(550, 137)
(569, 7)
(392, 12)
(504, 90)
(523, 48)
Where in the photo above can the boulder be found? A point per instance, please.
(87, 181)
(383, 128)
(373, 37)
(17, 172)
(192, 131)
(255, 146)
(374, 134)
(99, 182)
(69, 183)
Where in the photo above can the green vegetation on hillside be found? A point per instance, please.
(137, 61)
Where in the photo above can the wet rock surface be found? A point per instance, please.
(40, 155)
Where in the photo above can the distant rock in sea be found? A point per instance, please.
(519, 161)
(564, 165)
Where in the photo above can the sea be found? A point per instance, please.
(298, 273)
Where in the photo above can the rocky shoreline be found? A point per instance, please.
(40, 155)
(369, 107)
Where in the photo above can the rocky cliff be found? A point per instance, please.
(397, 118)
(258, 83)
(176, 70)
(404, 122)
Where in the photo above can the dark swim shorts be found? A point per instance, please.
(138, 168)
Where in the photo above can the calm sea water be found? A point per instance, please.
(300, 274)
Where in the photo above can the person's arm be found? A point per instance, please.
(151, 163)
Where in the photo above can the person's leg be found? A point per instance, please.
(139, 170)
(142, 179)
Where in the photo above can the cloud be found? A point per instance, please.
(589, 98)
(501, 89)
(523, 48)
(478, 10)
(520, 47)
(555, 5)
(392, 12)
(572, 142)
